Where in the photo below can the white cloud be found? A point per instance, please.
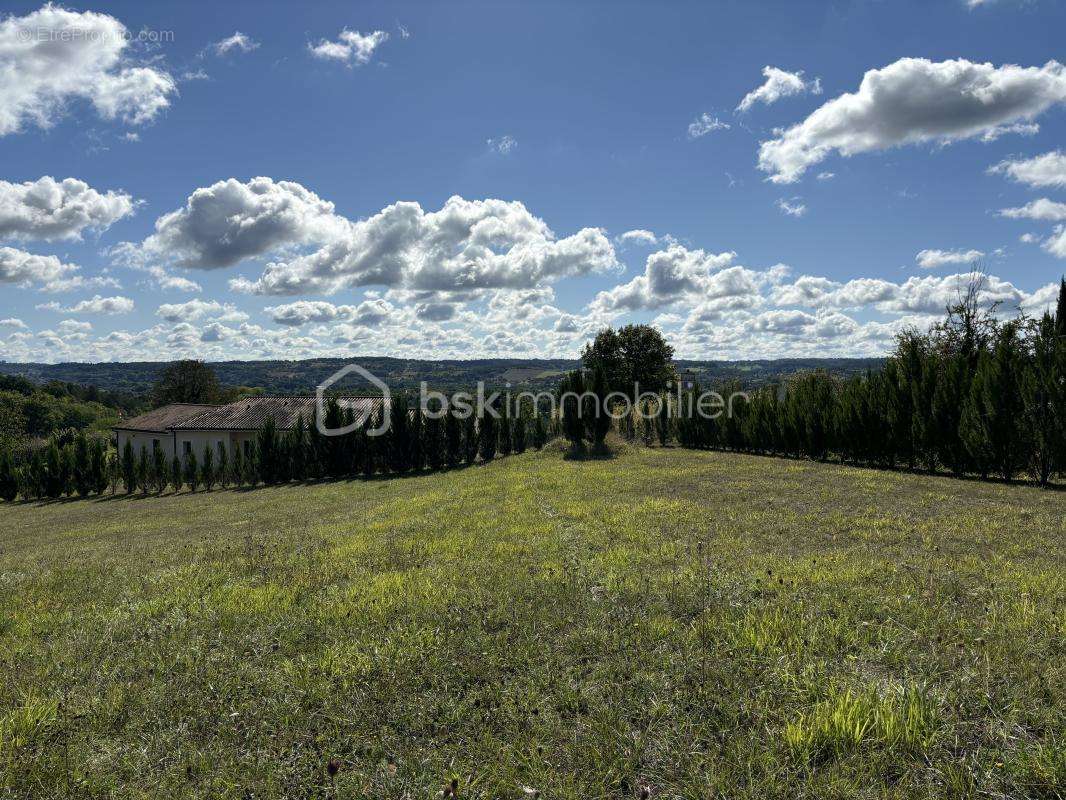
(826, 176)
(74, 326)
(196, 309)
(705, 124)
(13, 322)
(1056, 244)
(1043, 299)
(467, 245)
(26, 269)
(229, 221)
(911, 101)
(49, 209)
(679, 274)
(350, 47)
(931, 259)
(304, 311)
(238, 41)
(1028, 238)
(1048, 169)
(639, 236)
(930, 294)
(503, 145)
(95, 305)
(818, 292)
(82, 57)
(1042, 209)
(793, 207)
(779, 84)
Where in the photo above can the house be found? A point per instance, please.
(182, 428)
(156, 428)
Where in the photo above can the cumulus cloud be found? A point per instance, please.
(931, 259)
(778, 84)
(639, 236)
(819, 292)
(49, 209)
(1047, 170)
(678, 273)
(238, 41)
(931, 295)
(911, 101)
(229, 221)
(83, 58)
(1042, 209)
(26, 269)
(1056, 243)
(194, 310)
(351, 47)
(94, 305)
(467, 245)
(704, 124)
(13, 322)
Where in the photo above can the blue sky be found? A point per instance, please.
(272, 180)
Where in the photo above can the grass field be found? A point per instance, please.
(699, 624)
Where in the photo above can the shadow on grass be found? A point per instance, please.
(579, 452)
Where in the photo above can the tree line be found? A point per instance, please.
(413, 443)
(975, 395)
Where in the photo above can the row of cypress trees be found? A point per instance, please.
(973, 396)
(415, 442)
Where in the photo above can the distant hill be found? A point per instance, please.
(301, 377)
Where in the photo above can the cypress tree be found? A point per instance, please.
(145, 478)
(129, 468)
(571, 392)
(267, 461)
(371, 445)
(175, 474)
(298, 449)
(945, 413)
(99, 466)
(453, 440)
(53, 483)
(192, 470)
(238, 465)
(503, 435)
(470, 439)
(1060, 312)
(1042, 391)
(417, 460)
(159, 469)
(975, 422)
(540, 432)
(487, 435)
(8, 479)
(599, 418)
(399, 436)
(207, 468)
(436, 449)
(83, 467)
(519, 433)
(222, 469)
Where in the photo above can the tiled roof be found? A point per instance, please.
(252, 413)
(164, 418)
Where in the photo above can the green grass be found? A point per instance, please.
(704, 624)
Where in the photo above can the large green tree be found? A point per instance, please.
(186, 381)
(632, 355)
